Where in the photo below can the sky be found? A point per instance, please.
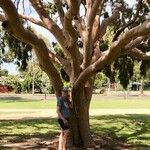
(11, 67)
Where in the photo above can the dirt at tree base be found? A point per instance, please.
(102, 142)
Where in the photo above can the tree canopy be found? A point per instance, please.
(79, 24)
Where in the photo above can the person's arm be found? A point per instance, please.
(59, 104)
(71, 104)
(60, 115)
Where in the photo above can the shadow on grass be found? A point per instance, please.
(18, 99)
(114, 132)
(23, 130)
(10, 98)
(134, 129)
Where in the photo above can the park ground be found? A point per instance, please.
(29, 121)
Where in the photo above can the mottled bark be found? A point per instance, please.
(80, 118)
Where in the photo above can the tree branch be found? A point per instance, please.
(60, 10)
(139, 54)
(26, 17)
(70, 50)
(50, 24)
(72, 12)
(110, 55)
(89, 4)
(96, 5)
(80, 25)
(33, 20)
(16, 27)
(72, 36)
(107, 21)
(134, 43)
(130, 22)
(148, 3)
(56, 59)
(65, 64)
(2, 18)
(88, 42)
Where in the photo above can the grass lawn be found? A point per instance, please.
(132, 129)
(96, 103)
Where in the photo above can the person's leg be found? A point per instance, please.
(60, 147)
(69, 140)
(65, 136)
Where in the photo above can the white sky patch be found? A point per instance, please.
(130, 2)
(44, 32)
(11, 67)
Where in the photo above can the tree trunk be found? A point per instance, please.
(33, 78)
(80, 128)
(109, 86)
(142, 87)
(79, 122)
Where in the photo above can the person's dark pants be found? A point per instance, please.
(63, 125)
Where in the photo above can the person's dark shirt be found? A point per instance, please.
(64, 107)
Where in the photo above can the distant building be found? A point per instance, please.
(135, 86)
(4, 88)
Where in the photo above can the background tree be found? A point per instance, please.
(100, 81)
(13, 83)
(80, 32)
(13, 50)
(34, 74)
(3, 72)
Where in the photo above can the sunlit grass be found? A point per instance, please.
(95, 103)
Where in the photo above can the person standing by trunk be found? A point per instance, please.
(63, 104)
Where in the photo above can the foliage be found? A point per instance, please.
(27, 82)
(50, 7)
(46, 84)
(100, 80)
(59, 51)
(41, 81)
(124, 66)
(13, 82)
(14, 50)
(145, 64)
(3, 72)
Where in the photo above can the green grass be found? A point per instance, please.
(19, 131)
(133, 129)
(95, 103)
(27, 104)
(120, 104)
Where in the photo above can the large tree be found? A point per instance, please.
(80, 31)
